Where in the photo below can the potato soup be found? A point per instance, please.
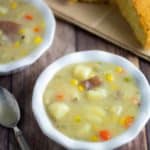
(92, 101)
(22, 27)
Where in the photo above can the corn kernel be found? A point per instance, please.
(77, 119)
(94, 138)
(122, 121)
(13, 5)
(109, 77)
(22, 31)
(119, 69)
(38, 40)
(81, 88)
(74, 82)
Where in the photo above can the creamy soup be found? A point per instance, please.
(22, 27)
(92, 101)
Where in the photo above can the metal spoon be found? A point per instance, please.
(10, 116)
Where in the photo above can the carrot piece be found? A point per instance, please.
(28, 17)
(36, 29)
(135, 101)
(105, 135)
(128, 121)
(60, 96)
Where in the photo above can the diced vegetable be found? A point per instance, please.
(135, 101)
(91, 83)
(3, 10)
(60, 96)
(119, 69)
(82, 72)
(127, 79)
(74, 82)
(36, 29)
(105, 135)
(58, 110)
(81, 88)
(22, 31)
(13, 5)
(77, 118)
(38, 40)
(28, 17)
(109, 77)
(127, 121)
(9, 28)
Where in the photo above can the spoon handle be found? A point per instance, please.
(20, 138)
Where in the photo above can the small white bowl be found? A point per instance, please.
(48, 38)
(86, 56)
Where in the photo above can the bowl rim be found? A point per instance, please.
(47, 42)
(46, 125)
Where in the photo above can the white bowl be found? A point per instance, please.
(48, 38)
(45, 122)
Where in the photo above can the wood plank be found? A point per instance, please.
(146, 70)
(87, 41)
(102, 20)
(4, 133)
(23, 83)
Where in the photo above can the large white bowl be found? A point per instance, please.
(48, 38)
(46, 124)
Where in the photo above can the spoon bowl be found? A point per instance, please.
(9, 109)
(10, 115)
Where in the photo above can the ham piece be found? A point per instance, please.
(10, 29)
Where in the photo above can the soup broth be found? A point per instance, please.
(92, 101)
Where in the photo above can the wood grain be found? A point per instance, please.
(67, 39)
(146, 70)
(4, 133)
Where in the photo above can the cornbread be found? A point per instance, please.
(137, 14)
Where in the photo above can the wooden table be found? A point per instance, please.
(68, 38)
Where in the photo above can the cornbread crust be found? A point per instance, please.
(137, 14)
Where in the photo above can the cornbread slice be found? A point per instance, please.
(137, 14)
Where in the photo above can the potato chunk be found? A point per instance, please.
(3, 10)
(96, 94)
(58, 110)
(82, 72)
